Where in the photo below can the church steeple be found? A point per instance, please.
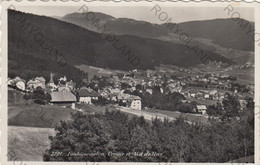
(51, 78)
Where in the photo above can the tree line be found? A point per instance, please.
(177, 141)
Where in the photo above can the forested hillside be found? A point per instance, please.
(225, 32)
(39, 44)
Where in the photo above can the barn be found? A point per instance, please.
(63, 99)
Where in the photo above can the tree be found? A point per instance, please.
(231, 106)
(63, 82)
(138, 87)
(84, 134)
(38, 96)
(176, 141)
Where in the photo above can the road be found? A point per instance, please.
(146, 115)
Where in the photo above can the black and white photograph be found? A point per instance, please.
(151, 82)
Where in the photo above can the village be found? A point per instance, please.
(151, 83)
(125, 89)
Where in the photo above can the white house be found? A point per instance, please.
(86, 95)
(161, 90)
(206, 96)
(193, 94)
(20, 84)
(135, 102)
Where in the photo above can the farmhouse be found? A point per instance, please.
(201, 109)
(63, 99)
(86, 95)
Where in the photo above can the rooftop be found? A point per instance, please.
(63, 97)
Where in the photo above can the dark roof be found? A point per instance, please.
(63, 97)
(85, 92)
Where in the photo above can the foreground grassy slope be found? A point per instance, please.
(33, 115)
(28, 143)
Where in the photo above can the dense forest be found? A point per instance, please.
(28, 67)
(134, 137)
(38, 44)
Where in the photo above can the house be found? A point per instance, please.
(213, 92)
(17, 82)
(86, 95)
(63, 99)
(123, 97)
(64, 89)
(206, 96)
(71, 85)
(10, 82)
(149, 90)
(115, 90)
(104, 94)
(201, 109)
(39, 82)
(62, 79)
(20, 84)
(113, 97)
(135, 102)
(161, 90)
(193, 94)
(35, 83)
(134, 70)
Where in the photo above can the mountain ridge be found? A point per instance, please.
(82, 46)
(205, 28)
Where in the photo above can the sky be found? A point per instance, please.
(144, 13)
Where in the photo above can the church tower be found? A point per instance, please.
(51, 83)
(51, 79)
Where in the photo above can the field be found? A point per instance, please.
(29, 127)
(98, 71)
(91, 109)
(45, 116)
(28, 143)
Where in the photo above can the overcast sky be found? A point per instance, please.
(144, 13)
